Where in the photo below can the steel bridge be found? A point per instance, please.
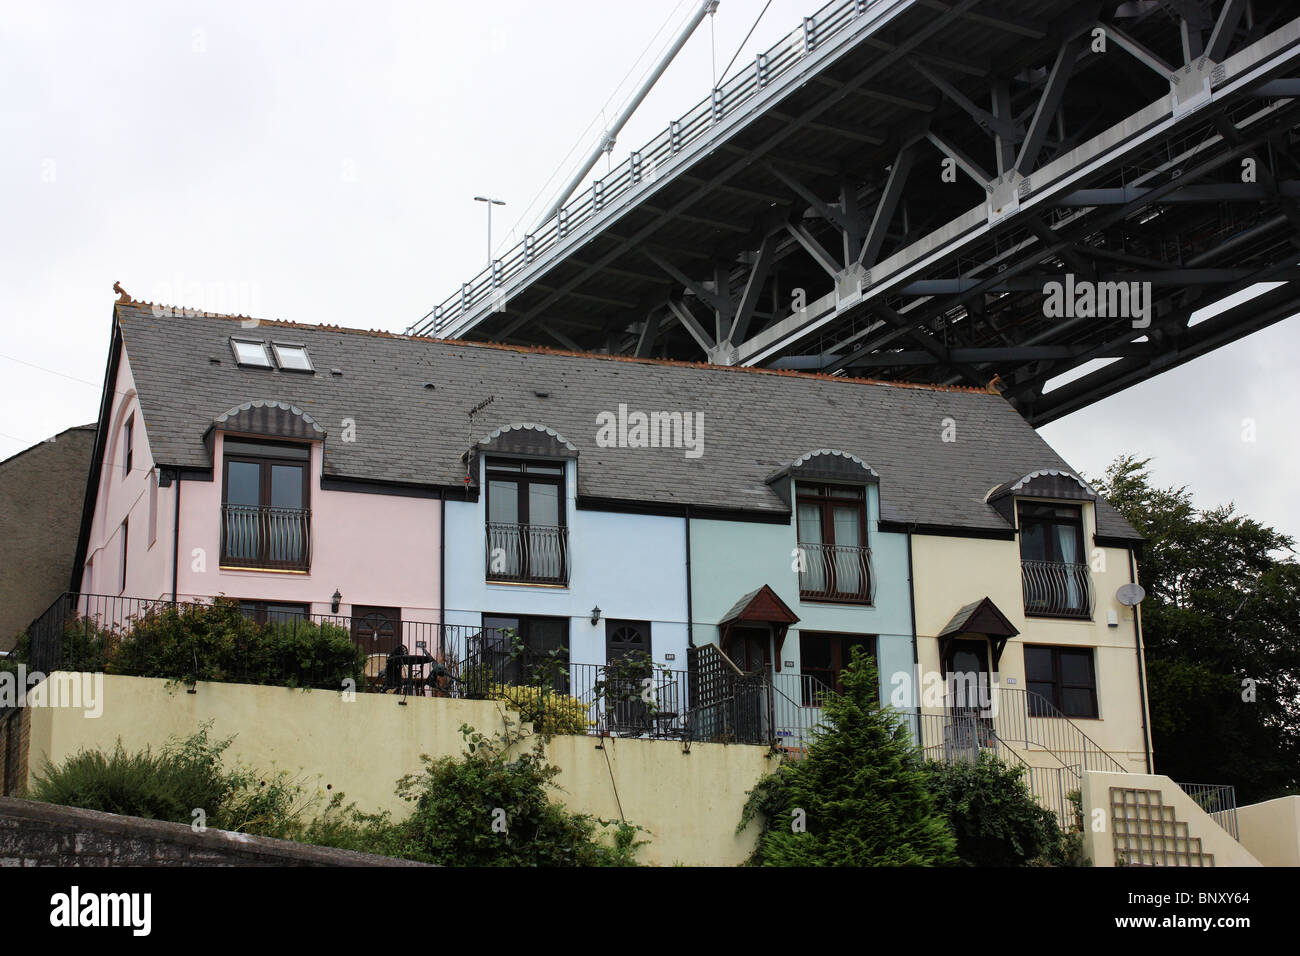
(890, 191)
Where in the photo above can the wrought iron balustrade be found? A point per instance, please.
(835, 572)
(278, 539)
(1057, 589)
(527, 553)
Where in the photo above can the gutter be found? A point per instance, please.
(1142, 677)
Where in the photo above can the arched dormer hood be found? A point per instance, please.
(522, 440)
(1056, 483)
(267, 418)
(824, 464)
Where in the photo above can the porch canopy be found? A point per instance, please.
(980, 618)
(761, 607)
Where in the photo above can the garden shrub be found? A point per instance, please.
(994, 815)
(452, 822)
(455, 820)
(170, 785)
(549, 712)
(218, 642)
(859, 796)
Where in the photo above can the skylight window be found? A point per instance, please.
(251, 353)
(292, 358)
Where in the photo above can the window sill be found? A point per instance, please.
(526, 584)
(838, 602)
(1045, 616)
(235, 567)
(1055, 717)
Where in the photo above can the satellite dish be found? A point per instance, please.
(1130, 594)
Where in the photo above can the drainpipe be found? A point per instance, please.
(442, 574)
(690, 609)
(176, 535)
(1142, 679)
(916, 658)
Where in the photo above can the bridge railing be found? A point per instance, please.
(642, 166)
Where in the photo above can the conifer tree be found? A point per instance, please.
(859, 797)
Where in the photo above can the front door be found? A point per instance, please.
(748, 648)
(377, 630)
(629, 684)
(969, 695)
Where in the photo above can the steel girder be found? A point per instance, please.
(921, 250)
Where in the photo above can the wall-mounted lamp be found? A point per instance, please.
(595, 615)
(334, 601)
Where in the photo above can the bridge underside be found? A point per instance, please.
(900, 206)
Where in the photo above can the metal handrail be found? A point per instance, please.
(1217, 800)
(527, 553)
(1036, 721)
(1057, 589)
(836, 572)
(807, 40)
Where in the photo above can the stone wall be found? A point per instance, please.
(41, 834)
(41, 494)
(15, 733)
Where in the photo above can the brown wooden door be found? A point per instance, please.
(377, 630)
(748, 648)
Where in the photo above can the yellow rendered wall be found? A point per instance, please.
(1271, 830)
(690, 801)
(952, 572)
(1099, 842)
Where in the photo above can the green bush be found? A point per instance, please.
(452, 822)
(19, 654)
(996, 819)
(170, 785)
(859, 796)
(549, 712)
(490, 808)
(218, 642)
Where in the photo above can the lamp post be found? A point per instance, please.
(490, 203)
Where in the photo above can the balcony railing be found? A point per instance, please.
(836, 572)
(1057, 589)
(527, 553)
(277, 539)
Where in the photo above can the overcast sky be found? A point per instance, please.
(318, 162)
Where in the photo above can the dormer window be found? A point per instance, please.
(1053, 561)
(251, 354)
(292, 358)
(527, 539)
(832, 527)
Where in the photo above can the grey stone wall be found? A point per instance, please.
(41, 834)
(41, 493)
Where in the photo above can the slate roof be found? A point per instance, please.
(755, 422)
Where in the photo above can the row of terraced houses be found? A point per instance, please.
(740, 528)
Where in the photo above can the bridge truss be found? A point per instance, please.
(889, 192)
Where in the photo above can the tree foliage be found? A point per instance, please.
(1221, 625)
(490, 807)
(859, 796)
(996, 819)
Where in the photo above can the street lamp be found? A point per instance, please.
(490, 203)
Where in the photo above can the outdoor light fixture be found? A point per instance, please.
(595, 615)
(334, 601)
(490, 203)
